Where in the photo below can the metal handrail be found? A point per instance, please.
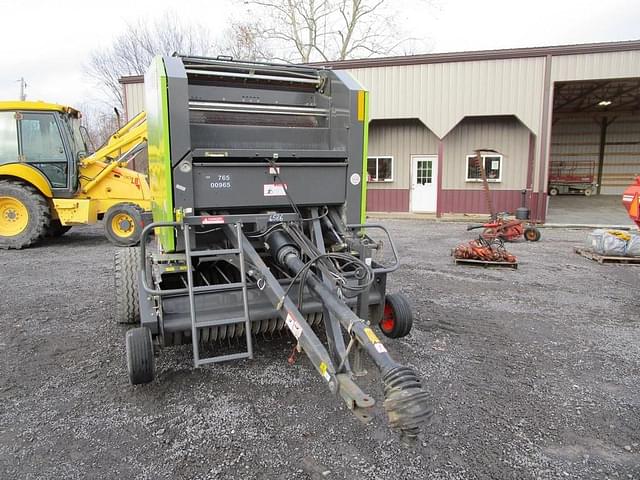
(143, 255)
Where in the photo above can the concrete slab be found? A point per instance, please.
(604, 210)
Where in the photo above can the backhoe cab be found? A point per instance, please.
(48, 182)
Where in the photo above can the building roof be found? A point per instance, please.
(470, 56)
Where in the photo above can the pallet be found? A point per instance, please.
(485, 263)
(590, 254)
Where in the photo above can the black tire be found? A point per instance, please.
(397, 317)
(532, 234)
(140, 359)
(56, 229)
(126, 266)
(38, 214)
(124, 233)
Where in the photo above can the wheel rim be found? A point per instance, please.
(14, 217)
(388, 321)
(123, 225)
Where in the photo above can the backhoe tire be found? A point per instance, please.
(56, 229)
(25, 215)
(123, 224)
(397, 317)
(140, 359)
(127, 266)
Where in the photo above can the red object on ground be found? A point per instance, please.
(631, 201)
(507, 230)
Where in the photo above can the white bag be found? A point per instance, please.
(633, 246)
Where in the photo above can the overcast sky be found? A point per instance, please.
(47, 42)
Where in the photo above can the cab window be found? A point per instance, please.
(8, 138)
(42, 146)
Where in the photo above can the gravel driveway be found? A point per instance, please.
(534, 373)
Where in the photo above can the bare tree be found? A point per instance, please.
(323, 30)
(132, 51)
(100, 124)
(244, 40)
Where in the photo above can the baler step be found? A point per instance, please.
(219, 321)
(215, 253)
(218, 287)
(222, 358)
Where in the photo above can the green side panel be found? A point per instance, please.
(160, 182)
(365, 149)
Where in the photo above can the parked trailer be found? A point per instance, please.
(256, 173)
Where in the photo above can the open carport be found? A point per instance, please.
(595, 150)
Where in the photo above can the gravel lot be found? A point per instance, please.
(534, 373)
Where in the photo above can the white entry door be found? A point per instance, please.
(424, 186)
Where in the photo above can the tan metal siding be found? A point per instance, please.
(577, 142)
(595, 66)
(574, 146)
(506, 135)
(400, 139)
(622, 155)
(441, 94)
(134, 98)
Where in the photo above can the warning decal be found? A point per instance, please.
(275, 189)
(293, 325)
(212, 220)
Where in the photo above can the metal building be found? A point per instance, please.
(574, 107)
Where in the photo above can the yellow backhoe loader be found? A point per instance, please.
(48, 182)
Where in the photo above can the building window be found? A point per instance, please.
(380, 169)
(492, 165)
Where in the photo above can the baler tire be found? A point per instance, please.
(21, 196)
(532, 234)
(115, 233)
(140, 358)
(126, 266)
(397, 318)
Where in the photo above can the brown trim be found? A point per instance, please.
(545, 140)
(387, 200)
(440, 168)
(607, 47)
(475, 201)
(131, 79)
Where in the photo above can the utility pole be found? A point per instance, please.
(23, 86)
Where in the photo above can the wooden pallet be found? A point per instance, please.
(590, 254)
(484, 263)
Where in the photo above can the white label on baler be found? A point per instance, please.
(275, 189)
(181, 187)
(293, 325)
(355, 179)
(380, 348)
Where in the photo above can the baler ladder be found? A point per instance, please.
(196, 324)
